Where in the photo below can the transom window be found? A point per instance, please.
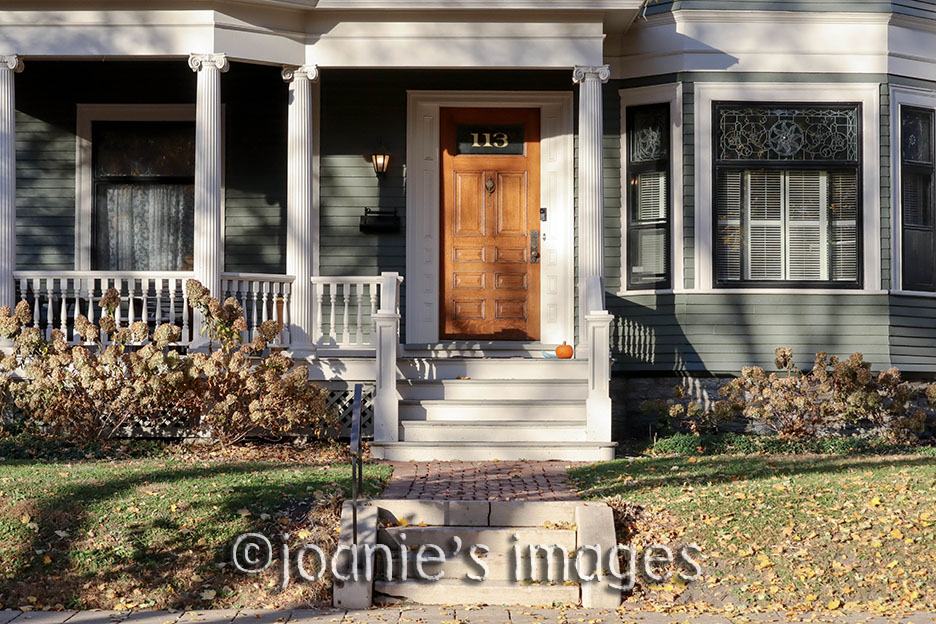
(144, 195)
(786, 203)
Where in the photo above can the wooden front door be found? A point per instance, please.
(490, 223)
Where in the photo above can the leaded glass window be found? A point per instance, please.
(917, 199)
(786, 202)
(648, 210)
(144, 195)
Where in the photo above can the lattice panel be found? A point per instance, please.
(342, 401)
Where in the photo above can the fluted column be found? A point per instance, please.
(208, 162)
(300, 216)
(9, 65)
(590, 183)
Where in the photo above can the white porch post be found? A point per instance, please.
(208, 162)
(300, 219)
(591, 185)
(387, 342)
(9, 65)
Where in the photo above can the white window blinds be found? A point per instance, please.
(777, 225)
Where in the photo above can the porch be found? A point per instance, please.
(434, 397)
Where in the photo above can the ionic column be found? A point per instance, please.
(300, 216)
(208, 162)
(9, 65)
(590, 183)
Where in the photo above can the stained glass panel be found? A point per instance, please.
(916, 128)
(649, 134)
(766, 132)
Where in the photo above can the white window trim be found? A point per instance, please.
(868, 94)
(902, 96)
(422, 206)
(84, 200)
(657, 94)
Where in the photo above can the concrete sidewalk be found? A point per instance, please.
(442, 615)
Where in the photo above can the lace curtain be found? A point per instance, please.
(144, 227)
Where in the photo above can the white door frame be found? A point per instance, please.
(423, 206)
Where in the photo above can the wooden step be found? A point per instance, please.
(492, 430)
(492, 409)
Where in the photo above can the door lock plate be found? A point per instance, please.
(534, 247)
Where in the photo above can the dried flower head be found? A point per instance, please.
(110, 300)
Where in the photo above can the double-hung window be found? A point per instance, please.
(143, 195)
(786, 203)
(648, 205)
(917, 198)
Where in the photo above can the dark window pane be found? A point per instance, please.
(134, 149)
(917, 192)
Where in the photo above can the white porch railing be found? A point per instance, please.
(345, 310)
(264, 297)
(57, 297)
(154, 297)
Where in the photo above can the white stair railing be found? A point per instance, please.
(263, 297)
(345, 310)
(387, 323)
(598, 339)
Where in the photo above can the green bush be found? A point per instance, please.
(688, 444)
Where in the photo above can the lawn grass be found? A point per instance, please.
(153, 532)
(783, 532)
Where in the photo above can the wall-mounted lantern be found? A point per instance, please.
(381, 162)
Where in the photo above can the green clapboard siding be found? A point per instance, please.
(723, 332)
(45, 193)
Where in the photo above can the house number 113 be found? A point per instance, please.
(500, 139)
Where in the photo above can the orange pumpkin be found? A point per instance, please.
(564, 351)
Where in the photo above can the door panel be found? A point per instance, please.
(490, 200)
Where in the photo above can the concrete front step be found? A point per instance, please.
(498, 568)
(493, 409)
(499, 389)
(443, 431)
(473, 592)
(510, 450)
(500, 541)
(491, 368)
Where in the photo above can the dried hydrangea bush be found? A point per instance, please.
(139, 380)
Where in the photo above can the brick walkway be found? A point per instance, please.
(503, 481)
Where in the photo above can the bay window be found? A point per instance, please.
(786, 204)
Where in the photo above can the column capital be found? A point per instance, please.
(581, 73)
(291, 72)
(199, 61)
(13, 62)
